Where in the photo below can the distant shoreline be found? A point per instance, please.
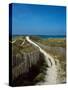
(44, 36)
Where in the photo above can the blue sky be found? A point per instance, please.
(38, 19)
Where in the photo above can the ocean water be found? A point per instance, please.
(43, 36)
(52, 36)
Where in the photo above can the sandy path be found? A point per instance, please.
(51, 76)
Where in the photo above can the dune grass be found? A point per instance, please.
(17, 46)
(53, 42)
(56, 47)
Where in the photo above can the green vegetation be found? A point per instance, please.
(53, 46)
(21, 45)
(39, 77)
(53, 42)
(27, 47)
(17, 37)
(56, 47)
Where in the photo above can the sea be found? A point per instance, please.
(52, 36)
(43, 36)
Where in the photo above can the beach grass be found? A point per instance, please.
(53, 42)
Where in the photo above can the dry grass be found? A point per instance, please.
(56, 47)
(53, 42)
(26, 47)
